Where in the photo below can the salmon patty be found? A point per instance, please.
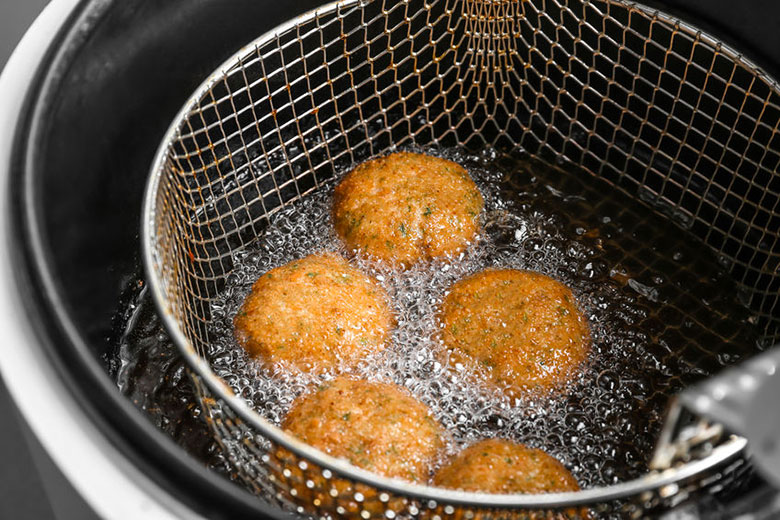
(407, 207)
(379, 427)
(315, 314)
(501, 466)
(522, 327)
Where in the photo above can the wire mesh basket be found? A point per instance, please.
(656, 108)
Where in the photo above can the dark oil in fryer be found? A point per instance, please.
(662, 309)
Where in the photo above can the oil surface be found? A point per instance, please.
(661, 309)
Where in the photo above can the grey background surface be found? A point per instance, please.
(21, 490)
(25, 471)
(15, 17)
(22, 494)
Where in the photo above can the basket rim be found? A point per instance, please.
(732, 448)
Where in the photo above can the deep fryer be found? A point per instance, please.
(76, 135)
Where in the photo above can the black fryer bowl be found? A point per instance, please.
(107, 90)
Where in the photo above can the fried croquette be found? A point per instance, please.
(375, 426)
(522, 327)
(501, 466)
(315, 314)
(407, 207)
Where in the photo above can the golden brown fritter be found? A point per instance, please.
(407, 207)
(317, 313)
(522, 327)
(501, 466)
(376, 426)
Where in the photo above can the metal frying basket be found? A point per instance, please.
(649, 104)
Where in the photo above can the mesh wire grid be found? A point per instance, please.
(646, 103)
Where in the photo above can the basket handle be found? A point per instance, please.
(743, 400)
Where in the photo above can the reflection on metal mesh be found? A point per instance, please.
(654, 107)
